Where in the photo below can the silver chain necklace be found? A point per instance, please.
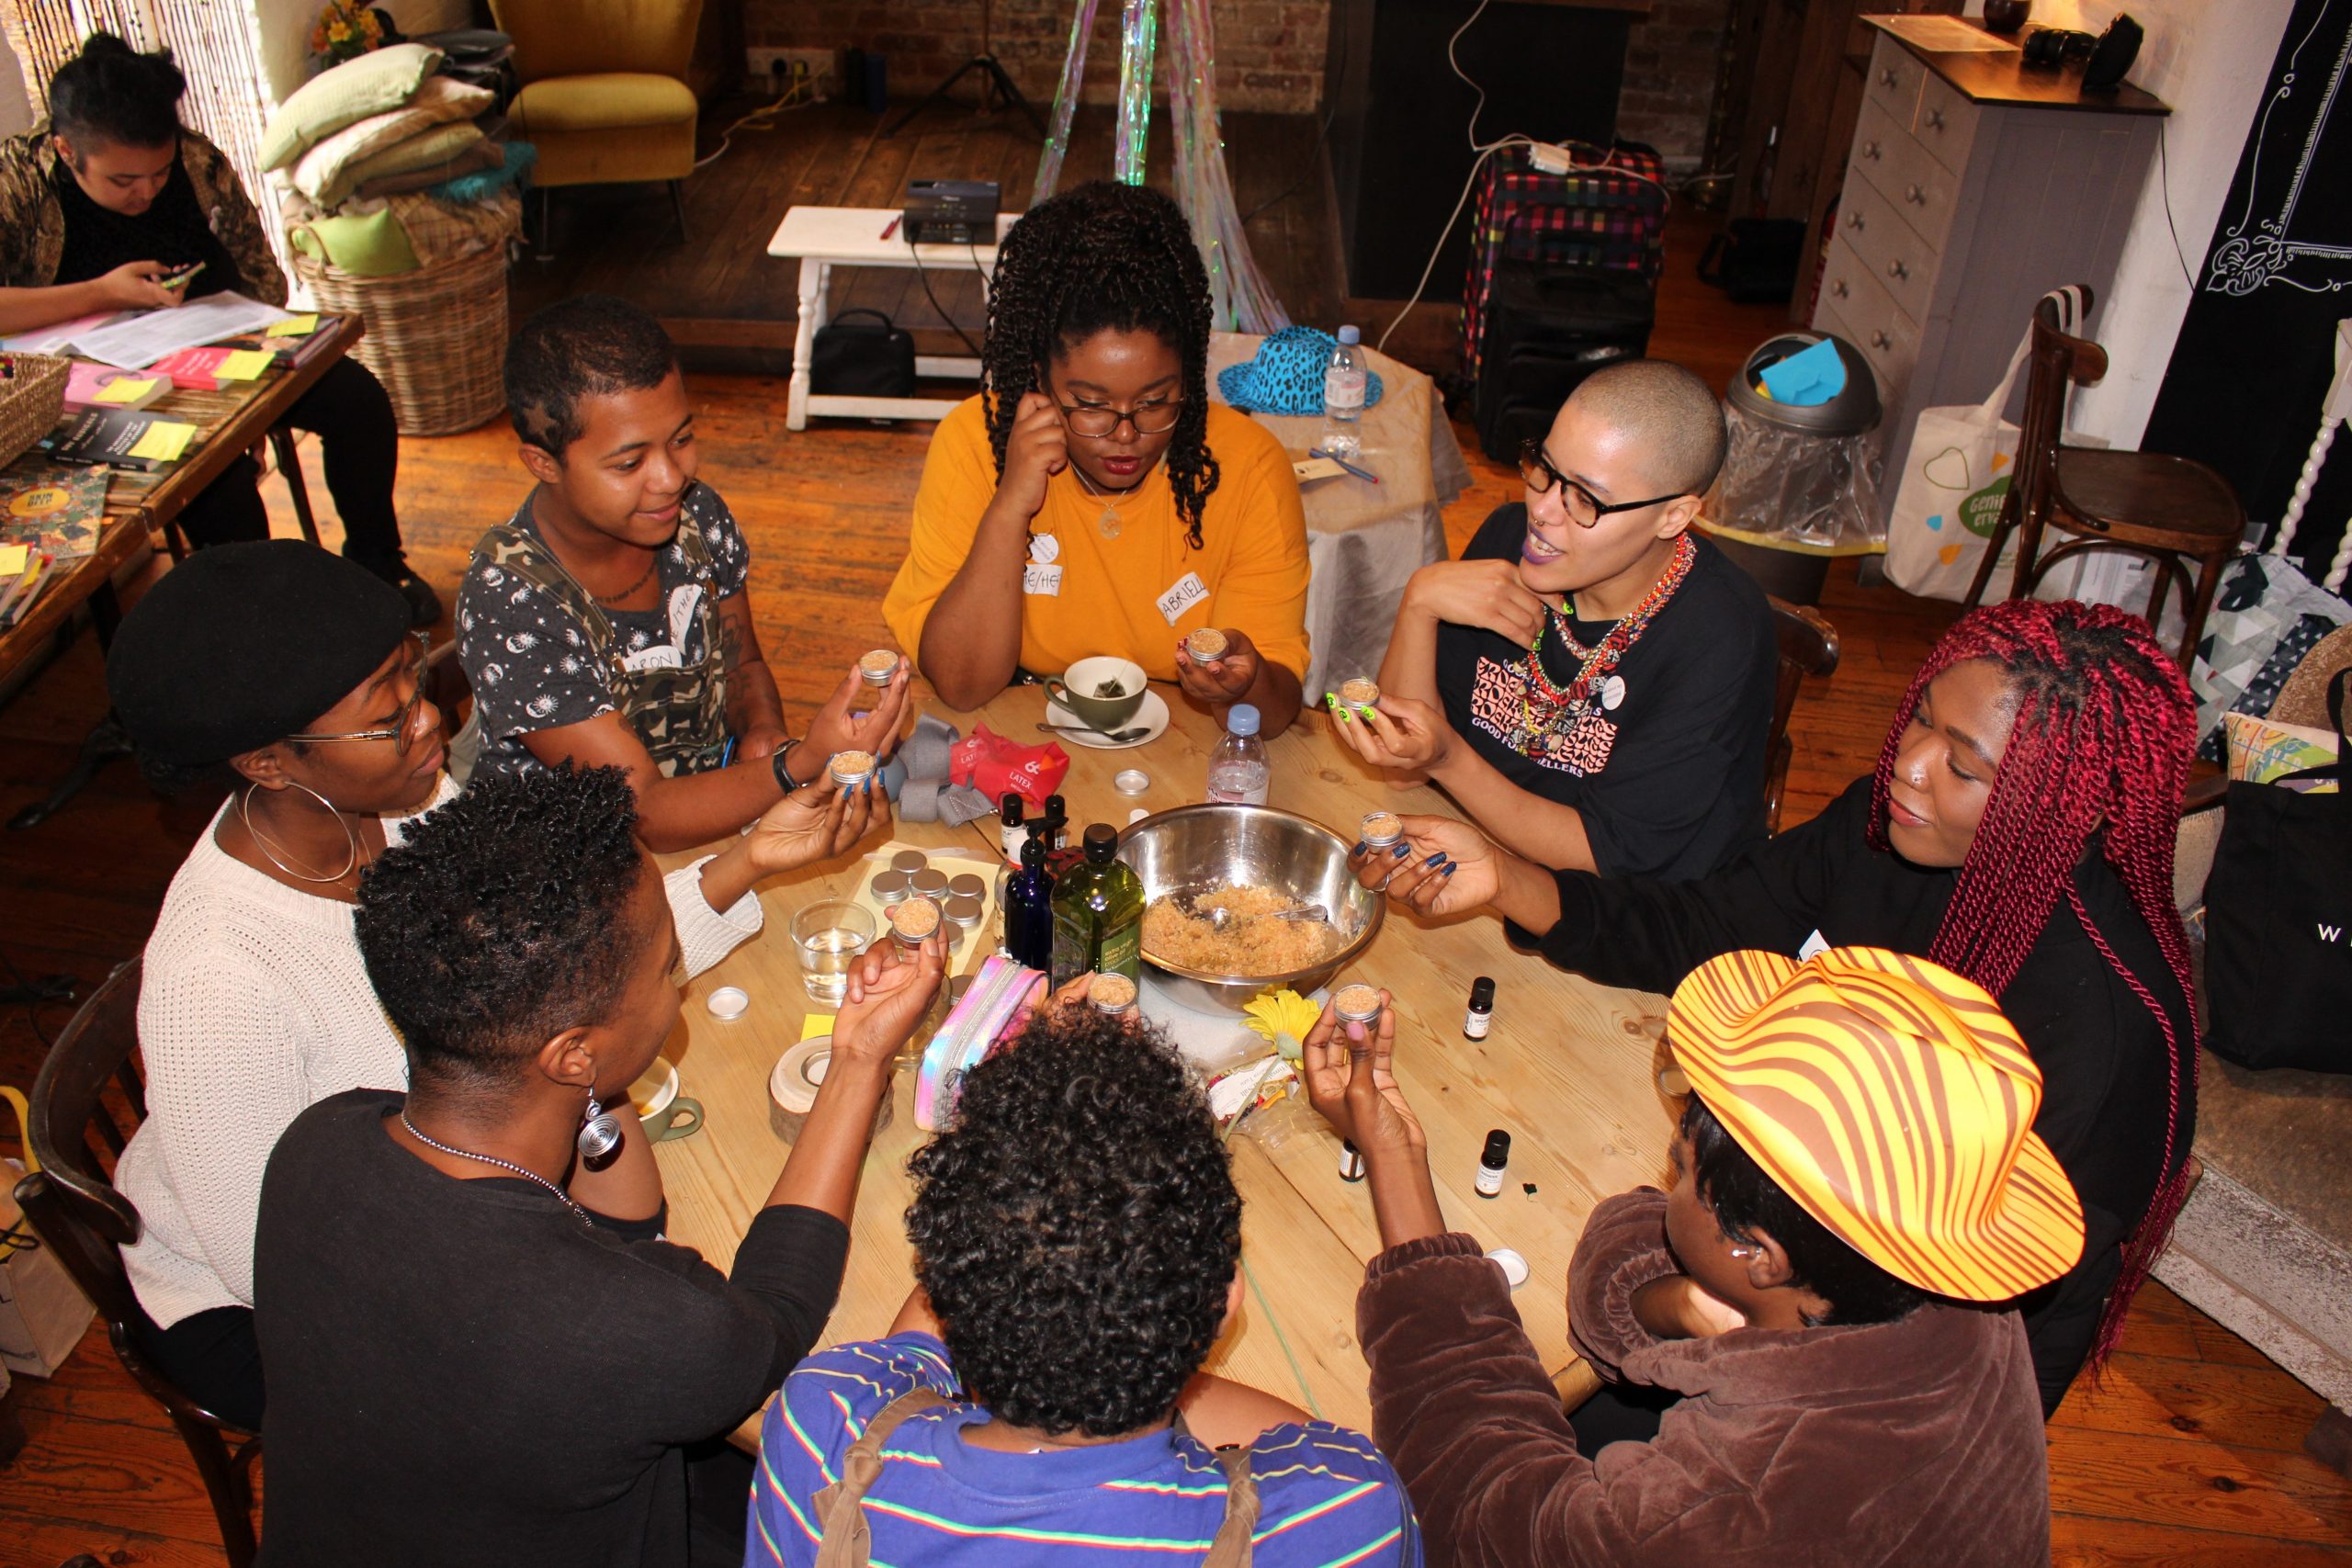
(433, 1143)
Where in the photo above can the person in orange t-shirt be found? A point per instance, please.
(1092, 499)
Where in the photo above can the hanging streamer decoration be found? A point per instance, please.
(1242, 300)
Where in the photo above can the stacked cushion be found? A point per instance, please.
(339, 163)
(376, 82)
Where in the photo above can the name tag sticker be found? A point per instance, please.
(1814, 944)
(1189, 591)
(661, 656)
(1039, 579)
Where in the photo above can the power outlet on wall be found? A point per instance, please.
(813, 70)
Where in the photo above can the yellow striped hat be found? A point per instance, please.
(1889, 1097)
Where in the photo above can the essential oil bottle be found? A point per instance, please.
(1481, 1014)
(1493, 1162)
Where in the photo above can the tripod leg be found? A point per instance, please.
(1010, 92)
(939, 95)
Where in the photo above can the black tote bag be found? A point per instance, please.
(2278, 919)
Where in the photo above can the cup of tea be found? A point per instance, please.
(1104, 691)
(664, 1112)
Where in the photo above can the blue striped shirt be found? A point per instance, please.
(1326, 1498)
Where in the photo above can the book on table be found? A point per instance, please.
(51, 509)
(120, 438)
(22, 577)
(89, 386)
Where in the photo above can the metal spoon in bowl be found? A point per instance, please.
(1221, 919)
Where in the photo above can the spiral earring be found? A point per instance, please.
(600, 1132)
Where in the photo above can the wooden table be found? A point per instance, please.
(1568, 1068)
(823, 238)
(229, 423)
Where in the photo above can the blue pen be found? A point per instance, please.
(728, 755)
(1360, 473)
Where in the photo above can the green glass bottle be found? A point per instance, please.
(1098, 913)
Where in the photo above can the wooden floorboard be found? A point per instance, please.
(2188, 1454)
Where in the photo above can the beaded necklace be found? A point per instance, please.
(1597, 665)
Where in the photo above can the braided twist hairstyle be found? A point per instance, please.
(1104, 258)
(2100, 747)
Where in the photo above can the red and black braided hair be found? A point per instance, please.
(1104, 258)
(2099, 749)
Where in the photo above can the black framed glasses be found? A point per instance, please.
(1584, 509)
(402, 721)
(1097, 422)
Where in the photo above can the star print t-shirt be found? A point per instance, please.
(527, 656)
(1666, 763)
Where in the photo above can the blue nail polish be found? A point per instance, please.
(1361, 847)
(1449, 871)
(1435, 860)
(1404, 850)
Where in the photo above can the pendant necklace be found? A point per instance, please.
(1543, 702)
(1108, 523)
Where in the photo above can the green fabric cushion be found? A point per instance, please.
(379, 80)
(606, 101)
(439, 101)
(366, 244)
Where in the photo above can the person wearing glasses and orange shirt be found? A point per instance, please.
(1092, 499)
(290, 678)
(1593, 681)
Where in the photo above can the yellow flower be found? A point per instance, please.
(1282, 1019)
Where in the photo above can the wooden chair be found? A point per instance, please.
(2147, 504)
(71, 1201)
(281, 447)
(1808, 646)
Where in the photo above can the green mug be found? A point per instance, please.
(1077, 690)
(660, 1109)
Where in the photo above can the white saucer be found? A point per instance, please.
(1152, 715)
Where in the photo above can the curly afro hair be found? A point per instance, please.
(1104, 258)
(1078, 1229)
(502, 919)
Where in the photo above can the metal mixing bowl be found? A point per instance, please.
(1194, 849)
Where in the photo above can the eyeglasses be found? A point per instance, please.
(1096, 423)
(402, 721)
(1584, 509)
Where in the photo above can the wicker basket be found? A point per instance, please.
(435, 336)
(32, 402)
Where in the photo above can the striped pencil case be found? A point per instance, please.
(994, 1007)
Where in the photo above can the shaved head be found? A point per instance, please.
(1671, 418)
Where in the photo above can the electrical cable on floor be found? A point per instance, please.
(2164, 183)
(764, 113)
(924, 277)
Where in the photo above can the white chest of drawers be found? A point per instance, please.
(1973, 186)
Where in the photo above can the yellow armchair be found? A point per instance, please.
(603, 96)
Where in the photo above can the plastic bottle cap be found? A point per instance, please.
(1241, 720)
(728, 1001)
(1351, 335)
(1101, 844)
(1009, 813)
(1513, 1266)
(1497, 1151)
(1482, 993)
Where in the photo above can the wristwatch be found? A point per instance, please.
(784, 779)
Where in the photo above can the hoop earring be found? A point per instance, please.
(245, 815)
(600, 1132)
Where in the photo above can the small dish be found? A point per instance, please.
(727, 1002)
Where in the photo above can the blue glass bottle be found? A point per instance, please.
(1029, 909)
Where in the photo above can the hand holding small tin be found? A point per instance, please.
(1352, 1083)
(1225, 679)
(811, 825)
(1398, 734)
(1440, 867)
(885, 999)
(837, 728)
(1485, 594)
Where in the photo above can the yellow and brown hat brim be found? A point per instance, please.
(1891, 1098)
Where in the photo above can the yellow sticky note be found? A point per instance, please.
(125, 390)
(244, 363)
(13, 558)
(164, 440)
(816, 1023)
(294, 326)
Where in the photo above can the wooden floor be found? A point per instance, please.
(2188, 1454)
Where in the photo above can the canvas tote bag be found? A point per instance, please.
(1953, 483)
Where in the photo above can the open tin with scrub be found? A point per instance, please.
(851, 770)
(1382, 830)
(878, 668)
(1206, 646)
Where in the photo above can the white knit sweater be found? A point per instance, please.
(254, 1004)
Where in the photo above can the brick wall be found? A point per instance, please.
(1270, 52)
(1671, 59)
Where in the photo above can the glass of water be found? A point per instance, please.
(829, 936)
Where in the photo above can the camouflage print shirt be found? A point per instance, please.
(32, 221)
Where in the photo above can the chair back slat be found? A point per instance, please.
(71, 1201)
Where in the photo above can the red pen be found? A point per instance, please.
(892, 227)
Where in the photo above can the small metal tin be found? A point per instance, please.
(913, 920)
(1131, 781)
(888, 887)
(966, 885)
(1359, 693)
(1358, 1003)
(1206, 646)
(910, 861)
(957, 987)
(1381, 829)
(928, 883)
(963, 910)
(728, 1001)
(1351, 1162)
(878, 668)
(1113, 994)
(851, 769)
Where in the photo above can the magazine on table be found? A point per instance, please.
(53, 509)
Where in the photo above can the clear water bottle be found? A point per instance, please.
(1237, 768)
(1343, 384)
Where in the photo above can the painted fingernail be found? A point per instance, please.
(1404, 850)
(1436, 860)
(1361, 847)
(1449, 871)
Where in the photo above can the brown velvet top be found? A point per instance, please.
(1916, 1443)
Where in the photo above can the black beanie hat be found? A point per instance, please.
(244, 644)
